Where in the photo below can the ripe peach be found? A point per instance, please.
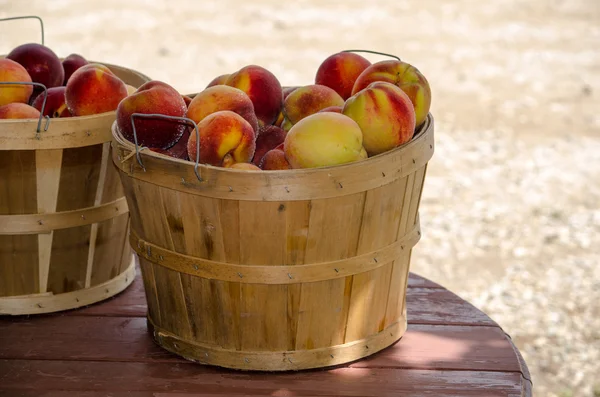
(264, 91)
(268, 138)
(406, 77)
(225, 138)
(286, 125)
(18, 110)
(12, 71)
(222, 97)
(153, 97)
(218, 80)
(275, 159)
(94, 89)
(244, 166)
(308, 100)
(71, 63)
(187, 100)
(335, 109)
(287, 91)
(323, 139)
(179, 150)
(55, 103)
(340, 71)
(41, 63)
(385, 115)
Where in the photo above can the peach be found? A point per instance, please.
(264, 91)
(323, 139)
(150, 98)
(268, 138)
(55, 103)
(406, 77)
(275, 159)
(187, 100)
(219, 80)
(225, 138)
(286, 125)
(222, 97)
(18, 110)
(287, 91)
(11, 71)
(308, 100)
(336, 109)
(41, 63)
(71, 63)
(94, 89)
(244, 166)
(339, 72)
(179, 150)
(385, 115)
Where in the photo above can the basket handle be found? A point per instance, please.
(376, 52)
(28, 17)
(43, 103)
(184, 120)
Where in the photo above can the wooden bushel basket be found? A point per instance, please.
(275, 270)
(63, 215)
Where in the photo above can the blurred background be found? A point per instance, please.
(511, 206)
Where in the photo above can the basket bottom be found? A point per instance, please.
(277, 360)
(49, 302)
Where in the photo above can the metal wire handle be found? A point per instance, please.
(28, 17)
(376, 52)
(185, 120)
(43, 103)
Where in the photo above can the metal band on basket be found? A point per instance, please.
(185, 120)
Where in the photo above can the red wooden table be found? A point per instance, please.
(450, 349)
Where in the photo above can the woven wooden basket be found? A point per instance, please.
(275, 270)
(63, 216)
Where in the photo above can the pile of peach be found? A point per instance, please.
(75, 86)
(247, 120)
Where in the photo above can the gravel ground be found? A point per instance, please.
(510, 210)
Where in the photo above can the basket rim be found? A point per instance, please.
(425, 130)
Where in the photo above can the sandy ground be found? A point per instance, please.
(510, 210)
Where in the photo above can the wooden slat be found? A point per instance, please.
(48, 164)
(80, 171)
(97, 201)
(18, 195)
(108, 257)
(126, 339)
(180, 378)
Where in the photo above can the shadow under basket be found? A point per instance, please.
(275, 270)
(63, 215)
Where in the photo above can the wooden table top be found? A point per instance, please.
(449, 349)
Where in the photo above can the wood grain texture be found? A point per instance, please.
(19, 270)
(190, 378)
